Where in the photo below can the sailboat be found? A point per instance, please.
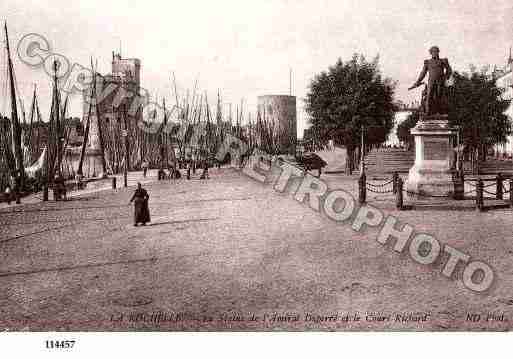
(14, 154)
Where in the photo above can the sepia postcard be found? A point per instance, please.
(256, 166)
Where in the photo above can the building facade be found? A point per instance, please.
(115, 109)
(112, 104)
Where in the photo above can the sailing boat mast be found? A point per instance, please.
(15, 123)
(163, 139)
(39, 122)
(57, 119)
(87, 126)
(100, 131)
(31, 124)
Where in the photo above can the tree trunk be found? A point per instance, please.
(349, 159)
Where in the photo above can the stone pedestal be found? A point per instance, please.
(432, 173)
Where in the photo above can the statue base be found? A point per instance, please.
(432, 174)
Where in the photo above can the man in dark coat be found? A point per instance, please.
(141, 209)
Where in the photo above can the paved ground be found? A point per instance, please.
(221, 251)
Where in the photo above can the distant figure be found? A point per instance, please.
(161, 174)
(8, 194)
(59, 189)
(78, 181)
(144, 166)
(17, 188)
(174, 173)
(205, 175)
(141, 209)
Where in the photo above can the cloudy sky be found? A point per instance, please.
(245, 48)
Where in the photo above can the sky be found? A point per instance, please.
(246, 48)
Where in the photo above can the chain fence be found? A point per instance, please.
(477, 192)
(380, 187)
(413, 194)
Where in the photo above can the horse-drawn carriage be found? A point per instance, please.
(311, 161)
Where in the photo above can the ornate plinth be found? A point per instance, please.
(432, 174)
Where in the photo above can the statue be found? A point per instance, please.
(435, 94)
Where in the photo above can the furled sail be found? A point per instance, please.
(37, 166)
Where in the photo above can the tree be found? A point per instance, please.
(403, 129)
(478, 107)
(348, 96)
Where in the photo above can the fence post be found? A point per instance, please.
(499, 193)
(479, 195)
(362, 188)
(459, 186)
(399, 194)
(511, 192)
(114, 182)
(395, 176)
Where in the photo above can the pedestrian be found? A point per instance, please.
(141, 208)
(144, 166)
(78, 181)
(59, 189)
(189, 165)
(8, 194)
(17, 188)
(204, 175)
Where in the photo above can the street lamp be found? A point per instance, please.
(362, 152)
(459, 167)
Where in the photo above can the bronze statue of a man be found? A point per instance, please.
(434, 96)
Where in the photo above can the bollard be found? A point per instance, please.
(45, 191)
(362, 188)
(395, 177)
(498, 192)
(114, 179)
(459, 186)
(399, 194)
(511, 192)
(479, 195)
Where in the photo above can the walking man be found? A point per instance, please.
(204, 175)
(141, 208)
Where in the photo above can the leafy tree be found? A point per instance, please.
(477, 105)
(403, 129)
(348, 96)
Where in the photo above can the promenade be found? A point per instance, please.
(230, 253)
